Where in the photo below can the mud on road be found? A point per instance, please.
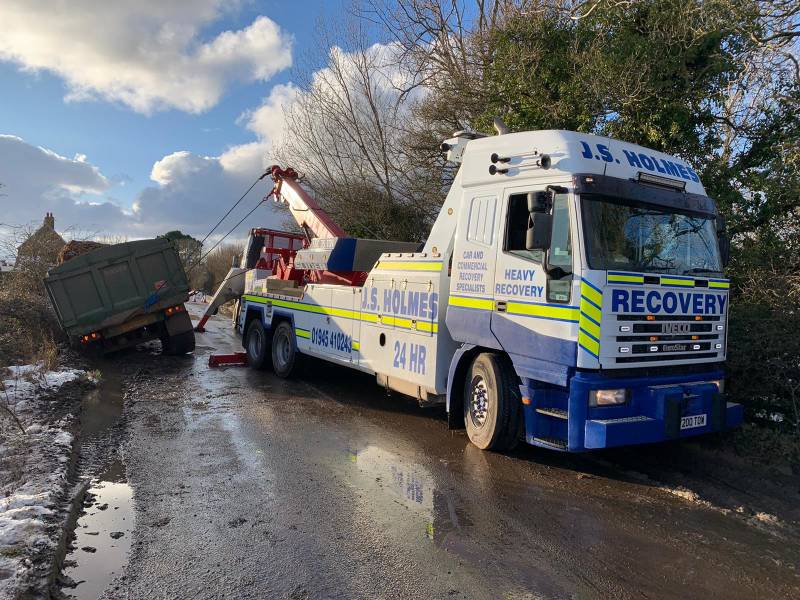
(248, 486)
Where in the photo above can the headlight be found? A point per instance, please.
(608, 397)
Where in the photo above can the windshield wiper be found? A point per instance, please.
(701, 270)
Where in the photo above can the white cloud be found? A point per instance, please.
(147, 54)
(189, 192)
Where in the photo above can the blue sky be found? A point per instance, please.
(88, 136)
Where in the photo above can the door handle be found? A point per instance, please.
(500, 305)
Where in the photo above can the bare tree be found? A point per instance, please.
(348, 133)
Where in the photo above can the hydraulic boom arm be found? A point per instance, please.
(314, 221)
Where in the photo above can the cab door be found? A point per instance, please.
(533, 314)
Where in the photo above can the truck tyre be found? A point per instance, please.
(256, 343)
(180, 343)
(491, 403)
(285, 358)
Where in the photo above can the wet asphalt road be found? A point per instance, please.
(248, 486)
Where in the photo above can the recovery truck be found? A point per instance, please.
(570, 294)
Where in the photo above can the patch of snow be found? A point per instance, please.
(30, 505)
(27, 381)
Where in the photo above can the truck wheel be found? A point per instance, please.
(491, 403)
(256, 343)
(180, 343)
(285, 358)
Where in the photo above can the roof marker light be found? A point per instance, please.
(651, 179)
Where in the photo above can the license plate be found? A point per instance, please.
(693, 421)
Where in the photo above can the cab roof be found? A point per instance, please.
(570, 153)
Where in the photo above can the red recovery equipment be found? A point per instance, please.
(316, 224)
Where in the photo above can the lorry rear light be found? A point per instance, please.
(608, 397)
(174, 309)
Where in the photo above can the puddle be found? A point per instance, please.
(100, 551)
(413, 487)
(103, 532)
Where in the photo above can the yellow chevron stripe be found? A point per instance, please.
(720, 285)
(591, 293)
(303, 333)
(356, 346)
(588, 343)
(589, 326)
(591, 310)
(396, 265)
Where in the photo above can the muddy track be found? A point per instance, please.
(248, 486)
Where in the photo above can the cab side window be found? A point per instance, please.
(561, 243)
(559, 258)
(517, 228)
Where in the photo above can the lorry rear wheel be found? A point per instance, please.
(491, 403)
(285, 358)
(256, 343)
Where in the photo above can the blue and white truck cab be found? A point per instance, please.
(570, 294)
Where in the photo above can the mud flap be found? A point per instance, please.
(178, 323)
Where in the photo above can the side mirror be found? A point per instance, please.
(724, 248)
(540, 230)
(540, 202)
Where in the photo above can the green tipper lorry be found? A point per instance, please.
(123, 295)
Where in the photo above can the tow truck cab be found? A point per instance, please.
(595, 267)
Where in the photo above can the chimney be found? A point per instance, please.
(49, 221)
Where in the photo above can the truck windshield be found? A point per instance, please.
(626, 236)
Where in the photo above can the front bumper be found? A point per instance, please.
(659, 409)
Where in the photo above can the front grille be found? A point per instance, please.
(664, 338)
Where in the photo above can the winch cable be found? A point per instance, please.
(188, 269)
(232, 229)
(230, 210)
(225, 216)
